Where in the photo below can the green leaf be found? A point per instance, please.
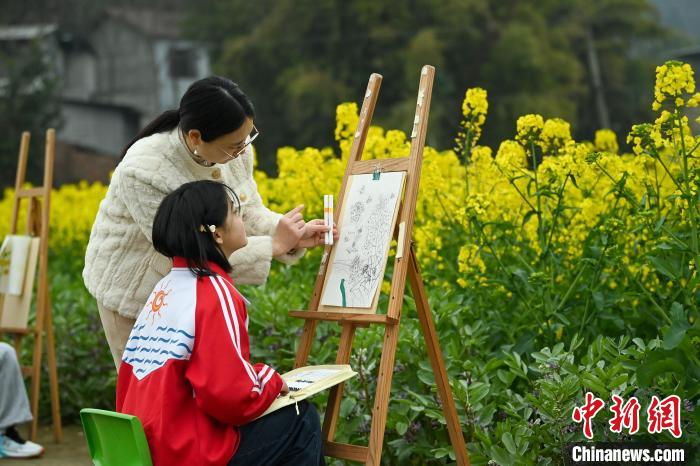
(401, 427)
(659, 224)
(500, 456)
(592, 382)
(477, 391)
(527, 216)
(679, 325)
(661, 362)
(599, 300)
(663, 266)
(426, 377)
(573, 180)
(508, 442)
(505, 377)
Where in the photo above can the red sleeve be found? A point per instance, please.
(226, 385)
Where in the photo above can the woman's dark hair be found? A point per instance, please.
(180, 216)
(215, 106)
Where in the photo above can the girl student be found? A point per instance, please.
(186, 370)
(207, 138)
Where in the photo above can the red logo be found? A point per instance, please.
(626, 415)
(587, 412)
(665, 415)
(661, 415)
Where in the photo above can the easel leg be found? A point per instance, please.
(381, 399)
(330, 419)
(307, 339)
(36, 372)
(435, 354)
(53, 374)
(18, 345)
(34, 213)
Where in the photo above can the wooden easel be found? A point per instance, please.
(39, 205)
(404, 264)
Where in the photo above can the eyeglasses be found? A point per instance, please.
(253, 135)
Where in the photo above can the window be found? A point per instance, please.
(182, 62)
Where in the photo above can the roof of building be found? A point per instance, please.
(26, 31)
(682, 15)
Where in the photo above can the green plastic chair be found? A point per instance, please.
(115, 439)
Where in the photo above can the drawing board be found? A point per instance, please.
(14, 308)
(358, 260)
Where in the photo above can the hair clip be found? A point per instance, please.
(211, 228)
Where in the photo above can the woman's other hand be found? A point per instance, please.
(314, 234)
(289, 232)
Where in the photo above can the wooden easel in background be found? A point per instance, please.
(38, 207)
(405, 263)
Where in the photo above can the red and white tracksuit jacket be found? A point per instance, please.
(186, 370)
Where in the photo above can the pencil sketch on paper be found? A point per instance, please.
(357, 263)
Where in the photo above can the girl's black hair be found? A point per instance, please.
(215, 106)
(180, 216)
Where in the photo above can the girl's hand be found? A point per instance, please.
(314, 234)
(285, 389)
(289, 231)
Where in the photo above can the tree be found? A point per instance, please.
(298, 59)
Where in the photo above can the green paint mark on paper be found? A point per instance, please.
(342, 291)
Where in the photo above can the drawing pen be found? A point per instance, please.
(328, 217)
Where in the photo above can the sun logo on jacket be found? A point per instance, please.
(156, 305)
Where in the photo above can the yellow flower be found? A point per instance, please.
(451, 218)
(481, 155)
(556, 133)
(528, 128)
(469, 260)
(673, 80)
(346, 118)
(475, 102)
(606, 141)
(476, 204)
(511, 158)
(474, 108)
(559, 332)
(694, 100)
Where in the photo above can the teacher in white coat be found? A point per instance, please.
(207, 138)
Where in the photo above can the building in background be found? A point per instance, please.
(682, 17)
(131, 66)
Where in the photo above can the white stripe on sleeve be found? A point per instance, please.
(227, 318)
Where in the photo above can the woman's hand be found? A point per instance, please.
(314, 234)
(289, 231)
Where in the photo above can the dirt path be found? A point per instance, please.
(73, 451)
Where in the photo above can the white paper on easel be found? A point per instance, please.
(356, 268)
(14, 253)
(14, 310)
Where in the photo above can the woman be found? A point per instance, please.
(207, 138)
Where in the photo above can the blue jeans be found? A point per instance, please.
(14, 405)
(282, 438)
